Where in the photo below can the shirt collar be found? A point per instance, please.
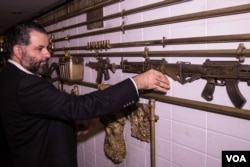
(20, 67)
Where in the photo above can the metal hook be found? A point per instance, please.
(240, 52)
(163, 42)
(145, 53)
(122, 27)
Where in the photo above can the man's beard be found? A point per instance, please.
(37, 67)
(41, 67)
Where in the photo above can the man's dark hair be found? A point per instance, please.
(20, 35)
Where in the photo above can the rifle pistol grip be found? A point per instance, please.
(99, 77)
(106, 74)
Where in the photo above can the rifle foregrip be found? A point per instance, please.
(208, 91)
(234, 93)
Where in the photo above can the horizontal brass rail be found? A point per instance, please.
(175, 19)
(179, 53)
(214, 108)
(122, 14)
(219, 109)
(165, 42)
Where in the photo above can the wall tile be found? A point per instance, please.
(231, 126)
(101, 161)
(163, 110)
(160, 162)
(189, 116)
(163, 128)
(136, 155)
(213, 4)
(185, 157)
(89, 156)
(111, 9)
(213, 162)
(163, 149)
(216, 143)
(189, 136)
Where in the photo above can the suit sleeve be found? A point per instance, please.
(39, 97)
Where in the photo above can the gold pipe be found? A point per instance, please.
(175, 19)
(153, 119)
(123, 13)
(214, 108)
(178, 53)
(219, 109)
(192, 16)
(177, 41)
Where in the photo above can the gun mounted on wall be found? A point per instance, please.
(102, 66)
(217, 73)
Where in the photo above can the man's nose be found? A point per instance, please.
(47, 53)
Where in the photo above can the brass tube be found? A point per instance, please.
(178, 53)
(209, 39)
(177, 41)
(122, 14)
(192, 40)
(219, 109)
(152, 131)
(214, 108)
(193, 16)
(175, 19)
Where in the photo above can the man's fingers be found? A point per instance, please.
(162, 87)
(162, 82)
(152, 79)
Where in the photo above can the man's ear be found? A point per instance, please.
(18, 52)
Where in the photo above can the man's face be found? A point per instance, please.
(35, 56)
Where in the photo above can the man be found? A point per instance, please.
(36, 117)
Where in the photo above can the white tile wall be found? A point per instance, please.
(218, 141)
(185, 137)
(187, 157)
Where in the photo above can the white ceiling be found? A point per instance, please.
(15, 11)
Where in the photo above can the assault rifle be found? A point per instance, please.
(102, 66)
(217, 73)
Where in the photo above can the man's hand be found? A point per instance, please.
(152, 79)
(83, 126)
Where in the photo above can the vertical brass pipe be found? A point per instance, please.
(152, 131)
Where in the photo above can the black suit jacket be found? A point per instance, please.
(38, 119)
